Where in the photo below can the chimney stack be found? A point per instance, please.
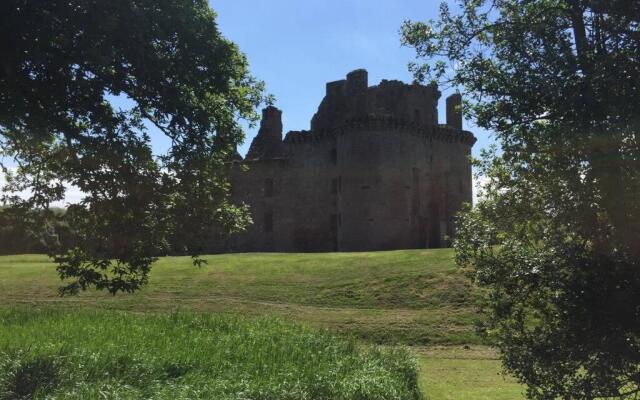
(454, 111)
(271, 122)
(267, 142)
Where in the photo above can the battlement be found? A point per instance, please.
(352, 98)
(336, 88)
(351, 105)
(430, 90)
(373, 123)
(357, 82)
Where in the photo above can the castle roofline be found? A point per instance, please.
(440, 132)
(351, 104)
(357, 81)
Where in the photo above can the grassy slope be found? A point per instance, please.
(415, 297)
(410, 297)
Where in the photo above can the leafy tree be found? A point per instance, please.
(556, 236)
(61, 62)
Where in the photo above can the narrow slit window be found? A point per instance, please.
(334, 223)
(334, 186)
(268, 222)
(334, 156)
(268, 187)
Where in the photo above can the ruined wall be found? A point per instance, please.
(376, 172)
(268, 142)
(352, 98)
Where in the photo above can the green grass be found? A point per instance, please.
(456, 373)
(413, 297)
(97, 355)
(408, 297)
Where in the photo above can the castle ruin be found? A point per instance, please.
(375, 172)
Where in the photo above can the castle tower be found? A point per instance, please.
(376, 171)
(357, 82)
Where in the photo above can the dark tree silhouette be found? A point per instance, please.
(556, 236)
(60, 64)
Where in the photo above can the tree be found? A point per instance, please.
(61, 62)
(556, 236)
(15, 237)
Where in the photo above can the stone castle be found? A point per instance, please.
(375, 172)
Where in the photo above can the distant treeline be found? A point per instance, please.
(15, 237)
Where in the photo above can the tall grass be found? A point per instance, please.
(58, 354)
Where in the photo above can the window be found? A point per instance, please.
(415, 198)
(333, 223)
(268, 187)
(268, 222)
(334, 186)
(334, 156)
(416, 116)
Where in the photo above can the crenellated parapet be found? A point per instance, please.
(387, 124)
(351, 105)
(447, 134)
(352, 98)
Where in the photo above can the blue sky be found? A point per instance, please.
(297, 46)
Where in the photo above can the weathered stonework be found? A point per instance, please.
(375, 172)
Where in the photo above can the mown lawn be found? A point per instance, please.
(412, 297)
(459, 373)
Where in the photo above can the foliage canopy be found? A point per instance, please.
(556, 236)
(62, 63)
